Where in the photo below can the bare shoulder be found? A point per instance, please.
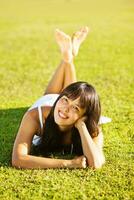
(46, 110)
(28, 127)
(32, 118)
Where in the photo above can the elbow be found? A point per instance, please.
(17, 162)
(100, 163)
(97, 164)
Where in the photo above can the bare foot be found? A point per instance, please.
(79, 162)
(78, 38)
(65, 43)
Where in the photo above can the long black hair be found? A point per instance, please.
(51, 140)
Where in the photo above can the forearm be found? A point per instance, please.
(91, 151)
(34, 162)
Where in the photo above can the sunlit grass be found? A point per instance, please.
(28, 57)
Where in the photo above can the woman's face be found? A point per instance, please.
(67, 112)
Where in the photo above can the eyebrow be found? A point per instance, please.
(77, 105)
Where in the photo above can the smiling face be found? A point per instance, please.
(67, 112)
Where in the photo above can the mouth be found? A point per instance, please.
(61, 115)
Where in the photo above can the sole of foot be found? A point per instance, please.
(77, 38)
(65, 44)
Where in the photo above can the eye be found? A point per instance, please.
(75, 108)
(64, 100)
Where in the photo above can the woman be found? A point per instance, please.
(65, 119)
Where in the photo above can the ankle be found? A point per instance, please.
(69, 60)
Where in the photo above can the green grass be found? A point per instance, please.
(28, 57)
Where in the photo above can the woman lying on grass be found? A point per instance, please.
(65, 119)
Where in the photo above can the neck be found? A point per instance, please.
(65, 128)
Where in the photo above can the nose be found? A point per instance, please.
(66, 109)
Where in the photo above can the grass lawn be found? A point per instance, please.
(28, 57)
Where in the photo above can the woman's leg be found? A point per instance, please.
(65, 73)
(70, 73)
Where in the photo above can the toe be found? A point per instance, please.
(57, 31)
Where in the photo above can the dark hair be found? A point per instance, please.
(52, 136)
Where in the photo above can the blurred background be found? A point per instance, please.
(27, 42)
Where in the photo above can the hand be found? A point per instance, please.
(79, 162)
(80, 122)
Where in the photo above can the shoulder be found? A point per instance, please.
(30, 121)
(45, 111)
(32, 115)
(35, 120)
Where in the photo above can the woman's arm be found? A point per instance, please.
(22, 145)
(92, 148)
